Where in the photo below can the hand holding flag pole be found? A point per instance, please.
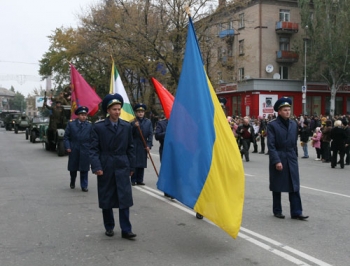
(146, 147)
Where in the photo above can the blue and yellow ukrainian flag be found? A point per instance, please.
(201, 164)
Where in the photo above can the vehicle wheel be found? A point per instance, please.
(32, 137)
(27, 134)
(47, 146)
(16, 129)
(60, 148)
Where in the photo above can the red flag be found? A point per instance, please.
(82, 93)
(165, 97)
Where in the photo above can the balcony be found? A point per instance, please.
(227, 33)
(286, 27)
(287, 57)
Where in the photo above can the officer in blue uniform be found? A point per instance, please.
(140, 151)
(282, 136)
(77, 144)
(113, 161)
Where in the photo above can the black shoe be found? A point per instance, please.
(72, 186)
(168, 196)
(85, 189)
(267, 153)
(279, 215)
(129, 235)
(133, 183)
(300, 217)
(140, 183)
(305, 157)
(199, 216)
(254, 152)
(247, 160)
(109, 233)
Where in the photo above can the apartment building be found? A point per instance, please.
(259, 56)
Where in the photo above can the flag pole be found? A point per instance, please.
(149, 154)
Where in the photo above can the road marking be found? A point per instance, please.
(319, 190)
(325, 191)
(159, 195)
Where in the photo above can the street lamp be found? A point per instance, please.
(304, 89)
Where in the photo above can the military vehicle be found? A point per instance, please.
(52, 135)
(9, 120)
(33, 131)
(21, 123)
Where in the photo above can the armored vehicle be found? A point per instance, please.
(9, 120)
(21, 123)
(33, 131)
(52, 135)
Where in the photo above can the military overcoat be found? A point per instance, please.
(77, 139)
(112, 151)
(282, 146)
(147, 132)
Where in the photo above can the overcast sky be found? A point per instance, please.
(24, 27)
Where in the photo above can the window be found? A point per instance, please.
(220, 81)
(338, 105)
(236, 105)
(284, 15)
(241, 47)
(219, 28)
(284, 44)
(229, 49)
(241, 21)
(220, 53)
(313, 105)
(283, 72)
(230, 25)
(241, 73)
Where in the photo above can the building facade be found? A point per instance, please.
(259, 56)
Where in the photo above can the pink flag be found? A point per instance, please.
(82, 94)
(165, 97)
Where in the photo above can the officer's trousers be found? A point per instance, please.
(83, 178)
(294, 200)
(124, 221)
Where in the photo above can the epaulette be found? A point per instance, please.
(71, 120)
(99, 121)
(271, 120)
(88, 121)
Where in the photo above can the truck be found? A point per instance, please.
(21, 123)
(33, 131)
(53, 137)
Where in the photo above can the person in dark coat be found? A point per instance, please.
(113, 161)
(246, 135)
(339, 138)
(347, 142)
(262, 134)
(160, 134)
(326, 140)
(304, 138)
(77, 144)
(282, 137)
(145, 125)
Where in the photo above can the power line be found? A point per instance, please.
(18, 62)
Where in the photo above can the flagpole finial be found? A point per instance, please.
(188, 11)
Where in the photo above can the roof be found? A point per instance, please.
(6, 92)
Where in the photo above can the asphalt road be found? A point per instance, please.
(44, 222)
